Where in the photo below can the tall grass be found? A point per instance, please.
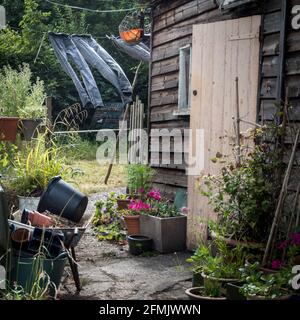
(73, 147)
(35, 165)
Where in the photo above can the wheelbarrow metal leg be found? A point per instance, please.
(74, 269)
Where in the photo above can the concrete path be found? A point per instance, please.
(108, 271)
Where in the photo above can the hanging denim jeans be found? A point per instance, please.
(105, 64)
(64, 48)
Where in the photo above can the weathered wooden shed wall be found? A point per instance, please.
(280, 70)
(172, 29)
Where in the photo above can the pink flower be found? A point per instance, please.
(138, 206)
(141, 190)
(154, 194)
(276, 264)
(184, 210)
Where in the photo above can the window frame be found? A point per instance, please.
(184, 97)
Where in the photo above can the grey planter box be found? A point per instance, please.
(168, 234)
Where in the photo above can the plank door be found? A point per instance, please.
(221, 52)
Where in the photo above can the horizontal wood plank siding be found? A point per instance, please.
(172, 29)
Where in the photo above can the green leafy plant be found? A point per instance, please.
(164, 209)
(7, 153)
(34, 166)
(270, 286)
(139, 178)
(107, 221)
(19, 96)
(213, 288)
(244, 195)
(224, 264)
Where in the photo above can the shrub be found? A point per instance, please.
(19, 96)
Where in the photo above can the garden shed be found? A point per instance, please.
(198, 49)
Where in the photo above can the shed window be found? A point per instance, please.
(185, 63)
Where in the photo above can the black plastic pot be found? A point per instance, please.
(62, 199)
(197, 280)
(139, 244)
(233, 291)
(49, 241)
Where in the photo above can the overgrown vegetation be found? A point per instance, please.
(19, 96)
(34, 166)
(244, 195)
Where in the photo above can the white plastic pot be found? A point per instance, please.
(29, 203)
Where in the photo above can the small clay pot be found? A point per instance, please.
(39, 220)
(20, 238)
(132, 224)
(123, 204)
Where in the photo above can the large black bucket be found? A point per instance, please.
(62, 199)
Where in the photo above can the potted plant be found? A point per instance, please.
(123, 201)
(11, 96)
(211, 291)
(33, 114)
(138, 182)
(244, 194)
(33, 167)
(260, 286)
(20, 98)
(196, 261)
(218, 264)
(164, 223)
(139, 179)
(132, 216)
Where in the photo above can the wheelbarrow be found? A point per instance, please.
(72, 237)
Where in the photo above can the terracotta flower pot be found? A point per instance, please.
(132, 224)
(39, 220)
(8, 128)
(123, 204)
(20, 237)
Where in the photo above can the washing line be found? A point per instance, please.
(94, 10)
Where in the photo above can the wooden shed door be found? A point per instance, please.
(221, 52)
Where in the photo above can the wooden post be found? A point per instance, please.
(238, 122)
(125, 115)
(49, 122)
(49, 108)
